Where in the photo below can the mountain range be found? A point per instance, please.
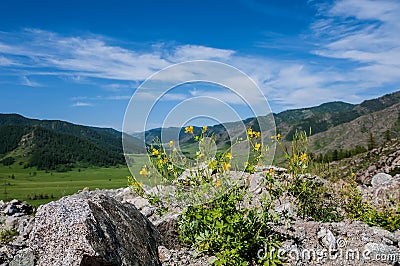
(334, 125)
(49, 144)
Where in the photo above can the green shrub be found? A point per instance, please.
(314, 200)
(232, 233)
(8, 161)
(359, 210)
(6, 236)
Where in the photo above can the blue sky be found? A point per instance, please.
(81, 61)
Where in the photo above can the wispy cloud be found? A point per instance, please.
(78, 56)
(352, 47)
(6, 62)
(30, 83)
(82, 104)
(364, 32)
(193, 52)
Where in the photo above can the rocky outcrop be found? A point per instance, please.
(93, 229)
(384, 192)
(116, 227)
(384, 160)
(15, 226)
(343, 243)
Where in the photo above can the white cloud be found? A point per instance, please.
(193, 52)
(364, 32)
(360, 35)
(6, 62)
(79, 56)
(81, 104)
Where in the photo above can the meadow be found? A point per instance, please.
(39, 186)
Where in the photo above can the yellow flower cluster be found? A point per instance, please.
(189, 129)
(155, 152)
(271, 171)
(227, 167)
(277, 137)
(252, 133)
(303, 157)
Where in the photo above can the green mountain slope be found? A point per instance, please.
(108, 138)
(59, 145)
(49, 150)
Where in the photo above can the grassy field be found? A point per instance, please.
(39, 187)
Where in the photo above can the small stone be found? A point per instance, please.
(140, 203)
(164, 254)
(10, 209)
(23, 257)
(15, 202)
(326, 238)
(12, 222)
(147, 211)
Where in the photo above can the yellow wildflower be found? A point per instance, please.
(189, 129)
(257, 134)
(353, 174)
(257, 146)
(171, 143)
(143, 172)
(155, 152)
(212, 164)
(229, 156)
(227, 167)
(205, 128)
(250, 132)
(246, 163)
(303, 157)
(278, 137)
(218, 183)
(271, 171)
(160, 161)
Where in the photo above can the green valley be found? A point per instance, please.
(41, 186)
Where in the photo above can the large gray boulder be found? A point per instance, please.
(93, 229)
(381, 179)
